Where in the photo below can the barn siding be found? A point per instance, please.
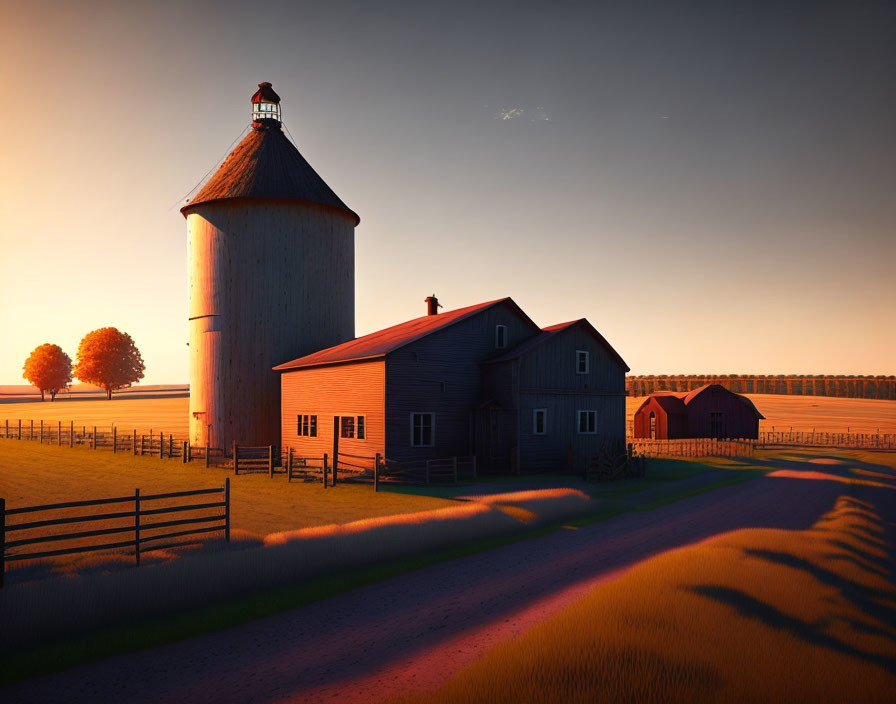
(344, 389)
(548, 379)
(441, 374)
(740, 420)
(268, 281)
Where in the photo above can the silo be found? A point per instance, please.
(271, 278)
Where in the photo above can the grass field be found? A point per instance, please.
(33, 474)
(803, 413)
(756, 615)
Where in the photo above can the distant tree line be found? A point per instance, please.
(842, 385)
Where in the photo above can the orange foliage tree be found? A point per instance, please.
(49, 369)
(108, 358)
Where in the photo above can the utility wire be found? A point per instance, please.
(214, 166)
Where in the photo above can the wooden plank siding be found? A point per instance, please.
(545, 377)
(269, 280)
(356, 388)
(441, 374)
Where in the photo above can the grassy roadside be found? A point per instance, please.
(755, 615)
(139, 636)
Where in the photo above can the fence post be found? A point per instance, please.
(335, 447)
(161, 445)
(19, 436)
(170, 445)
(271, 461)
(208, 447)
(94, 437)
(41, 439)
(142, 445)
(2, 540)
(454, 463)
(71, 433)
(376, 472)
(184, 452)
(134, 441)
(227, 509)
(31, 432)
(137, 524)
(7, 428)
(289, 465)
(235, 465)
(59, 433)
(114, 439)
(326, 470)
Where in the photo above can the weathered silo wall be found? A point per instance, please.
(269, 280)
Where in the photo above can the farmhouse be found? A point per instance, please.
(710, 411)
(483, 380)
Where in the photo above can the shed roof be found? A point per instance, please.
(675, 402)
(551, 332)
(265, 164)
(691, 395)
(382, 342)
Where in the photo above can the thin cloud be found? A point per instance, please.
(527, 114)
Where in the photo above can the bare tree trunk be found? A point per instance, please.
(41, 394)
(108, 393)
(53, 393)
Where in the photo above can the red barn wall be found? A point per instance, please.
(341, 389)
(740, 420)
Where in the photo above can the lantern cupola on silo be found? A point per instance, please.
(265, 107)
(271, 261)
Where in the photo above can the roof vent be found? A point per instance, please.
(432, 305)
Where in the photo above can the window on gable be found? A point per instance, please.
(307, 426)
(540, 421)
(587, 422)
(500, 336)
(422, 429)
(582, 362)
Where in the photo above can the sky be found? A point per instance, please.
(711, 184)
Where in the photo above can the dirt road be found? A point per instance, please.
(415, 630)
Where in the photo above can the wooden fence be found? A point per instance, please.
(157, 444)
(250, 459)
(693, 447)
(439, 470)
(144, 536)
(869, 441)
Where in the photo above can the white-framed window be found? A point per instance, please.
(586, 422)
(353, 427)
(583, 362)
(500, 336)
(307, 425)
(540, 421)
(423, 429)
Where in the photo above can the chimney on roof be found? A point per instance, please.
(265, 107)
(432, 305)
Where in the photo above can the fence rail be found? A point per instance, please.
(693, 447)
(253, 458)
(146, 535)
(437, 470)
(870, 441)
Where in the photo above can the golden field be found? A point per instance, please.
(755, 615)
(167, 409)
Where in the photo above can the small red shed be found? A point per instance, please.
(711, 411)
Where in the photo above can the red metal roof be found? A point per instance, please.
(267, 165)
(552, 331)
(381, 343)
(675, 402)
(265, 93)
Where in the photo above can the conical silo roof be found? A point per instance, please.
(265, 164)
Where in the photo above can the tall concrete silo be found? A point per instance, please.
(271, 278)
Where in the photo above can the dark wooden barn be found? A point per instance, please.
(710, 411)
(483, 380)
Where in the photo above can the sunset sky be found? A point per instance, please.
(712, 184)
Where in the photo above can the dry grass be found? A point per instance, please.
(803, 413)
(749, 616)
(168, 412)
(32, 474)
